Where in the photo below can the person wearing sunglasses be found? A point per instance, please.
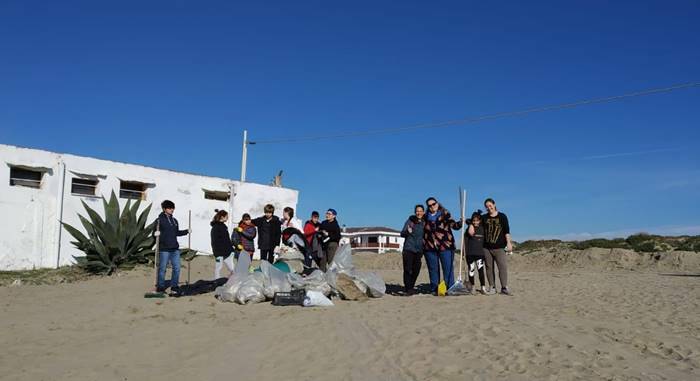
(439, 243)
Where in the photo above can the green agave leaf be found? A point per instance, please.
(111, 210)
(75, 233)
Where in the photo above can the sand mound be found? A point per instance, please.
(566, 258)
(608, 259)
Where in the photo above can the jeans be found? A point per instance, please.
(172, 256)
(435, 260)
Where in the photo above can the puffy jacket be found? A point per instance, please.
(246, 236)
(413, 241)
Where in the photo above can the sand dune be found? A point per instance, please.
(566, 321)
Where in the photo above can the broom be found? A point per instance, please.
(458, 288)
(155, 293)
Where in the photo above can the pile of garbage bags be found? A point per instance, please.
(244, 287)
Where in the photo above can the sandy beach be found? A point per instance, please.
(568, 320)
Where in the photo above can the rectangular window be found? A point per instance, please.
(83, 187)
(25, 177)
(132, 190)
(372, 239)
(215, 195)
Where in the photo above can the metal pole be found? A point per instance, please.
(245, 155)
(189, 244)
(61, 195)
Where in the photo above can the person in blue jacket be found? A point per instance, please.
(169, 247)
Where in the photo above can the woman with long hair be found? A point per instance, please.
(221, 244)
(497, 241)
(439, 243)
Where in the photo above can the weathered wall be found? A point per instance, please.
(30, 229)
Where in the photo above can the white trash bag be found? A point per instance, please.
(251, 290)
(274, 280)
(316, 281)
(375, 285)
(368, 282)
(227, 292)
(316, 299)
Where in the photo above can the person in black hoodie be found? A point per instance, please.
(169, 247)
(331, 235)
(221, 245)
(269, 233)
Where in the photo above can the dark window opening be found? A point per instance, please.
(132, 190)
(83, 187)
(25, 177)
(219, 196)
(373, 239)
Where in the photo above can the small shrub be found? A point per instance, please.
(532, 245)
(617, 243)
(690, 244)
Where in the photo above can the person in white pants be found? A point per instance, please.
(221, 243)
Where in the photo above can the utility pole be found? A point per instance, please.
(245, 155)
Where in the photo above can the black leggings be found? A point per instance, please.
(267, 255)
(411, 269)
(474, 265)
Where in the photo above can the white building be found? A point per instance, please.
(40, 188)
(377, 239)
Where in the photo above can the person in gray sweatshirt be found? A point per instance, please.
(412, 233)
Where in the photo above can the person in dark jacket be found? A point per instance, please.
(169, 248)
(244, 236)
(331, 235)
(269, 233)
(412, 248)
(439, 243)
(221, 245)
(474, 237)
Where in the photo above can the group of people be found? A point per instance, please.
(317, 240)
(485, 242)
(428, 234)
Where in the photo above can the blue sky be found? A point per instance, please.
(173, 84)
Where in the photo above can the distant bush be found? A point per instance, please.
(689, 244)
(532, 245)
(617, 243)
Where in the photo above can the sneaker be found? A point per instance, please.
(506, 291)
(482, 290)
(490, 291)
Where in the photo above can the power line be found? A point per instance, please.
(482, 118)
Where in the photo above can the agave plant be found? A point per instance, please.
(120, 240)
